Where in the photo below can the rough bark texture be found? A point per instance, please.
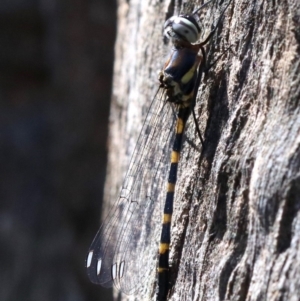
(237, 221)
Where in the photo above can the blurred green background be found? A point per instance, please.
(55, 83)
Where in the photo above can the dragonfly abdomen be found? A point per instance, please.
(163, 263)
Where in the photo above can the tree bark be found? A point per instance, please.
(235, 231)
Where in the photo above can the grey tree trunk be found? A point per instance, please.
(236, 226)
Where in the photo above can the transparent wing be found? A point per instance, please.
(121, 245)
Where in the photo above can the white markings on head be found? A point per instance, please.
(99, 263)
(182, 27)
(89, 259)
(114, 271)
(121, 270)
(185, 28)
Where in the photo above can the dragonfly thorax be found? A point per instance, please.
(183, 27)
(179, 73)
(172, 88)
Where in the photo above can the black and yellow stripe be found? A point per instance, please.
(163, 262)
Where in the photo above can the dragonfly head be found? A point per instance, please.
(183, 27)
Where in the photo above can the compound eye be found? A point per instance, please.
(186, 29)
(168, 27)
(169, 22)
(182, 27)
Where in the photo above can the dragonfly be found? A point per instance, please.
(118, 252)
